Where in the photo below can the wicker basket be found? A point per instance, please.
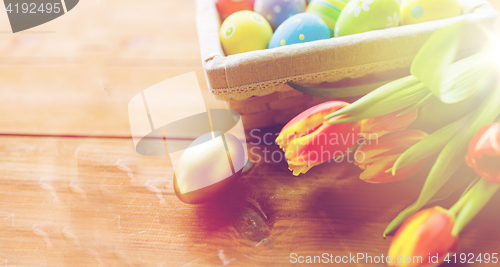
(254, 83)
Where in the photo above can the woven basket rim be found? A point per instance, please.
(259, 73)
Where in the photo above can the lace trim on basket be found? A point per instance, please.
(279, 85)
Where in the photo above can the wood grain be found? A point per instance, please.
(73, 191)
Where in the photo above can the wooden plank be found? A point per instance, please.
(76, 75)
(91, 201)
(76, 100)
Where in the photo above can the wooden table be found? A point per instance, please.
(73, 191)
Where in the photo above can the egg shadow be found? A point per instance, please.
(231, 216)
(346, 203)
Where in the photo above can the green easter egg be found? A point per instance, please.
(417, 11)
(328, 10)
(367, 15)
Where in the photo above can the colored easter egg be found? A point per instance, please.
(203, 172)
(300, 28)
(245, 31)
(367, 15)
(228, 7)
(277, 11)
(328, 10)
(417, 11)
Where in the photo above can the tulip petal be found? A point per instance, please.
(325, 143)
(298, 169)
(308, 121)
(379, 126)
(375, 173)
(389, 144)
(425, 233)
(403, 242)
(307, 141)
(484, 153)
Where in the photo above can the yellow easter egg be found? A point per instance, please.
(417, 11)
(245, 31)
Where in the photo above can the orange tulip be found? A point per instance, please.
(375, 157)
(484, 153)
(377, 127)
(424, 239)
(308, 140)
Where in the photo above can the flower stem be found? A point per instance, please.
(463, 199)
(475, 199)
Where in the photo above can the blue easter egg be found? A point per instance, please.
(300, 28)
(277, 11)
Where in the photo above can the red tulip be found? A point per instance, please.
(228, 7)
(422, 237)
(484, 153)
(308, 140)
(375, 157)
(374, 128)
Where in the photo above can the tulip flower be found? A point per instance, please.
(374, 128)
(422, 237)
(308, 140)
(484, 153)
(376, 157)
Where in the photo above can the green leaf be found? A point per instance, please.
(458, 85)
(377, 95)
(464, 197)
(451, 83)
(473, 73)
(436, 114)
(475, 200)
(401, 218)
(431, 144)
(427, 100)
(438, 52)
(440, 194)
(471, 185)
(451, 157)
(391, 104)
(460, 179)
(338, 92)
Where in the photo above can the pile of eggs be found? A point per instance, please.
(250, 25)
